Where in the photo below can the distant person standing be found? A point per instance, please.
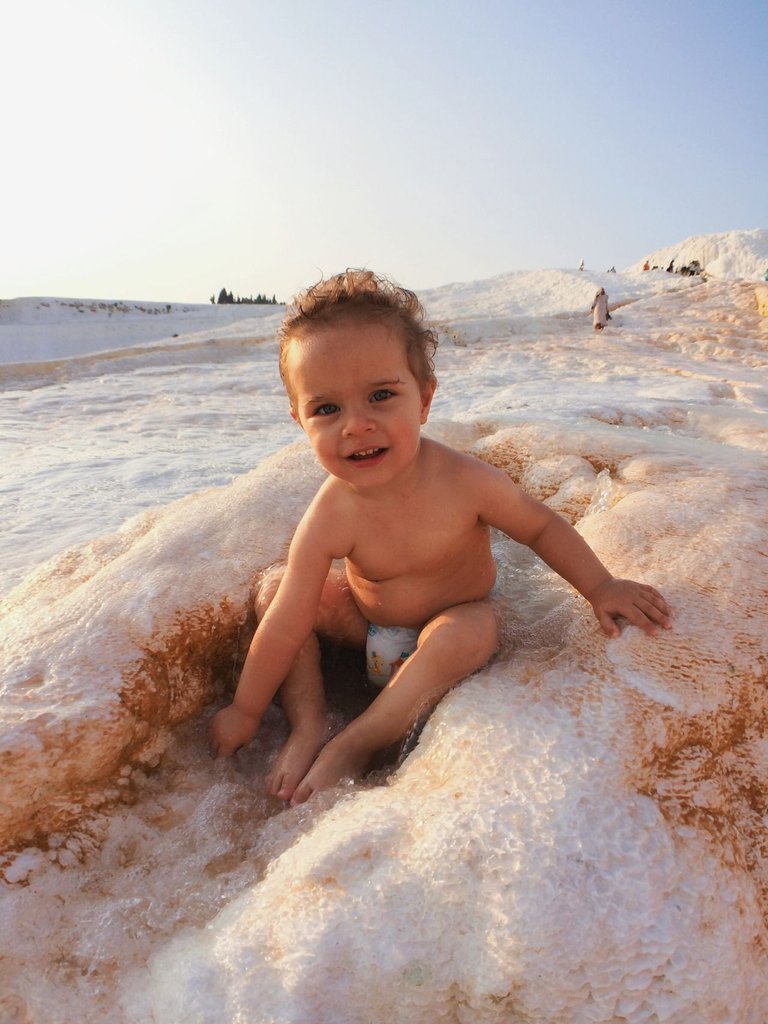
(600, 315)
(581, 263)
(646, 265)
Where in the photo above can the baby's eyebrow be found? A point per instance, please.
(314, 399)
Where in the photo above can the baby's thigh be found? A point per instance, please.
(338, 617)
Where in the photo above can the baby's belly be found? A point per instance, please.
(412, 600)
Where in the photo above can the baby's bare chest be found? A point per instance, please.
(408, 542)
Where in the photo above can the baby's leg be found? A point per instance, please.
(451, 646)
(302, 695)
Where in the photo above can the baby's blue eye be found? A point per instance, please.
(326, 409)
(381, 395)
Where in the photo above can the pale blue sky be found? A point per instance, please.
(162, 149)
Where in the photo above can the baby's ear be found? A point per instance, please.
(427, 394)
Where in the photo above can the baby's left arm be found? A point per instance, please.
(556, 542)
(566, 551)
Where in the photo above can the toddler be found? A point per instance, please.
(393, 553)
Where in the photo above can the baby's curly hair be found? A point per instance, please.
(369, 298)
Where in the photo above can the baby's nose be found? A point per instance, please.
(358, 422)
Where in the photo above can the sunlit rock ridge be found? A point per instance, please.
(580, 833)
(730, 254)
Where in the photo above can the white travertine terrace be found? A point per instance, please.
(579, 828)
(580, 835)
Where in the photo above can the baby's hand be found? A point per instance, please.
(231, 729)
(636, 602)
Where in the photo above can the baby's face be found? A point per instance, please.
(357, 399)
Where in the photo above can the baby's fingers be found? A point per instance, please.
(647, 615)
(224, 746)
(643, 621)
(644, 608)
(608, 624)
(656, 608)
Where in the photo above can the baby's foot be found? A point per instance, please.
(339, 759)
(295, 759)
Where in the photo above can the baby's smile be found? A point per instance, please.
(367, 453)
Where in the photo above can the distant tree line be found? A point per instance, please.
(226, 297)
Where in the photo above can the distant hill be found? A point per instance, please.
(42, 329)
(532, 293)
(732, 254)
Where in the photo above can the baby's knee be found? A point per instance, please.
(482, 635)
(470, 632)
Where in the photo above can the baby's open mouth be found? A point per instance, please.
(369, 453)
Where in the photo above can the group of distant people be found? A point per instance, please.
(692, 269)
(610, 270)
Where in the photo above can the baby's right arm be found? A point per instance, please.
(276, 642)
(282, 632)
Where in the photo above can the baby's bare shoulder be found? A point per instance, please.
(451, 461)
(330, 518)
